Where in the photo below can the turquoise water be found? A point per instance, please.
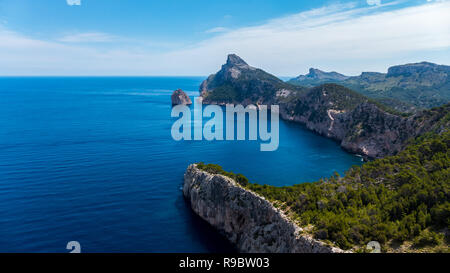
(93, 160)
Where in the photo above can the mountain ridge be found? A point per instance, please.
(422, 85)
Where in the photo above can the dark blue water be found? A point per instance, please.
(93, 160)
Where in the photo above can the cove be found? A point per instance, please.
(92, 160)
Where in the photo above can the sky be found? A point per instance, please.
(180, 37)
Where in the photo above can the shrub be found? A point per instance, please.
(428, 238)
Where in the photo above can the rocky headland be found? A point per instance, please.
(247, 220)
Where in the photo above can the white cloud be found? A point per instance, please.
(374, 2)
(334, 38)
(88, 37)
(343, 38)
(217, 30)
(73, 2)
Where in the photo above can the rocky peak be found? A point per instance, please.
(237, 82)
(233, 67)
(314, 72)
(235, 60)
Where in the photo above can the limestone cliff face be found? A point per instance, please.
(249, 221)
(359, 126)
(365, 130)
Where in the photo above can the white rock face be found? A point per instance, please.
(249, 221)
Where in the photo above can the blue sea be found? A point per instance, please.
(91, 159)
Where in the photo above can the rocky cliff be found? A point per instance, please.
(360, 125)
(247, 220)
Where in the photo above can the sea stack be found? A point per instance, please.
(180, 97)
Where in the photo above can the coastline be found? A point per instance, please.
(295, 120)
(249, 221)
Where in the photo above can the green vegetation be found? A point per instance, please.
(341, 97)
(388, 109)
(397, 199)
(318, 100)
(224, 93)
(252, 85)
(428, 238)
(440, 114)
(421, 85)
(419, 96)
(216, 169)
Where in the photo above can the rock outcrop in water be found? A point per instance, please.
(180, 97)
(247, 220)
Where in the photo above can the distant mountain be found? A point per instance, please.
(423, 85)
(316, 77)
(237, 82)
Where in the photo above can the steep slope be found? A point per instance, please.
(246, 219)
(359, 124)
(237, 82)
